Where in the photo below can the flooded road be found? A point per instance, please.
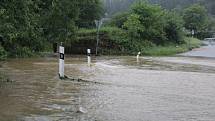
(117, 89)
(207, 51)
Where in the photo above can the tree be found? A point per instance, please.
(195, 18)
(62, 18)
(19, 26)
(114, 6)
(119, 19)
(174, 27)
(147, 23)
(90, 10)
(59, 22)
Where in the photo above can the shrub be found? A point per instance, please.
(146, 22)
(110, 38)
(119, 19)
(173, 27)
(22, 52)
(196, 19)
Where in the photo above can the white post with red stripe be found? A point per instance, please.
(61, 61)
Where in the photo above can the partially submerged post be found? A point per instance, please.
(89, 56)
(61, 61)
(138, 56)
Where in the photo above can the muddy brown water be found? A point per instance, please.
(152, 89)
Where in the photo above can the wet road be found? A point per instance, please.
(117, 89)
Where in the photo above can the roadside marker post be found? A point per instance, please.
(89, 56)
(138, 56)
(61, 61)
(193, 33)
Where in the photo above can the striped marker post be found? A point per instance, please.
(89, 56)
(61, 61)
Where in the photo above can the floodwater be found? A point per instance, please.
(206, 51)
(115, 89)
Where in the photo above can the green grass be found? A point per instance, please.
(102, 30)
(189, 44)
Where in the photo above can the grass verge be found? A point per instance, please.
(167, 50)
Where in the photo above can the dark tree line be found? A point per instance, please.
(150, 23)
(114, 6)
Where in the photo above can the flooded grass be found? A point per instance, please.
(4, 79)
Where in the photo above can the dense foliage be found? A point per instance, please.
(31, 26)
(19, 26)
(59, 20)
(90, 10)
(114, 6)
(28, 26)
(196, 19)
(150, 23)
(113, 39)
(119, 19)
(149, 26)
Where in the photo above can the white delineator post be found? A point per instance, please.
(88, 56)
(193, 32)
(61, 61)
(138, 56)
